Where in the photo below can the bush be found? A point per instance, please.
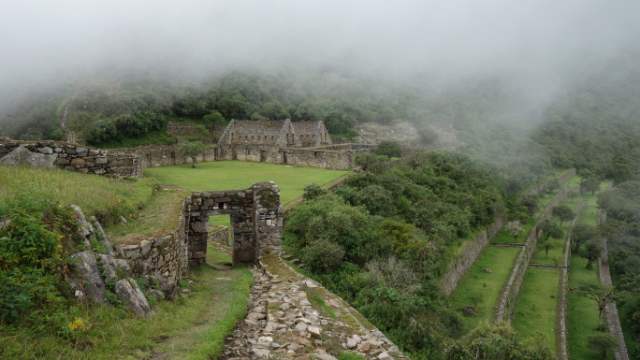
(32, 259)
(389, 148)
(313, 191)
(323, 256)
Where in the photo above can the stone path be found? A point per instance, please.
(292, 317)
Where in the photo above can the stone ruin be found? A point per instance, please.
(67, 156)
(256, 220)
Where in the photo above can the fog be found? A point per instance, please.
(540, 46)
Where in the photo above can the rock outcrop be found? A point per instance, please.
(94, 271)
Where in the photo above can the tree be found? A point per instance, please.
(599, 294)
(192, 149)
(491, 342)
(551, 230)
(589, 184)
(581, 234)
(603, 343)
(592, 252)
(563, 212)
(389, 148)
(214, 120)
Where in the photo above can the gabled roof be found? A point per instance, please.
(257, 125)
(305, 127)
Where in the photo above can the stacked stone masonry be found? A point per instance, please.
(509, 294)
(163, 259)
(57, 154)
(256, 220)
(469, 256)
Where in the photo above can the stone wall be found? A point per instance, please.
(326, 159)
(256, 220)
(163, 258)
(57, 154)
(165, 155)
(313, 157)
(468, 256)
(510, 291)
(611, 316)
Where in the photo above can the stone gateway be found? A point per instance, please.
(256, 220)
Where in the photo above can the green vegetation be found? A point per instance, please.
(108, 199)
(582, 312)
(225, 175)
(477, 293)
(382, 241)
(490, 342)
(535, 312)
(192, 327)
(38, 315)
(622, 205)
(350, 356)
(159, 216)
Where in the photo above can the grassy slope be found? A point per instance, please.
(582, 312)
(188, 328)
(536, 307)
(480, 288)
(96, 195)
(226, 175)
(535, 312)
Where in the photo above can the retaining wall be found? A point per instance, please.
(469, 256)
(67, 156)
(509, 294)
(165, 155)
(164, 258)
(611, 310)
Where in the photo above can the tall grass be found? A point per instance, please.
(97, 195)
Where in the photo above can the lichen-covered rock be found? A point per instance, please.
(85, 228)
(102, 236)
(130, 294)
(23, 156)
(85, 277)
(113, 269)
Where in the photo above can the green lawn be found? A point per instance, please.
(481, 285)
(554, 256)
(193, 327)
(227, 175)
(535, 311)
(582, 312)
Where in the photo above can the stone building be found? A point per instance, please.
(282, 134)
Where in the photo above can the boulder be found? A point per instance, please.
(85, 228)
(112, 267)
(23, 156)
(85, 277)
(102, 236)
(131, 295)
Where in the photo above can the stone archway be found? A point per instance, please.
(256, 219)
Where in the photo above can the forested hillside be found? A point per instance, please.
(596, 126)
(385, 238)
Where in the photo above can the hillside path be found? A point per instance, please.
(293, 317)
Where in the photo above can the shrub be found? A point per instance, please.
(313, 191)
(389, 148)
(323, 256)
